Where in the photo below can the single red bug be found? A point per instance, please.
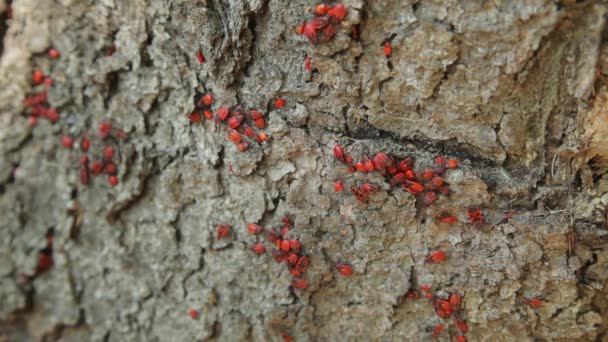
(234, 136)
(409, 174)
(388, 49)
(367, 164)
(338, 186)
(33, 121)
(426, 288)
(436, 182)
(339, 152)
(310, 32)
(406, 164)
(52, 115)
(292, 258)
(369, 188)
(299, 284)
(272, 236)
(195, 117)
(446, 217)
(338, 12)
(97, 167)
(258, 248)
(108, 152)
(428, 295)
(294, 245)
(110, 169)
(475, 215)
(412, 187)
(411, 294)
(45, 261)
(279, 103)
(222, 230)
(300, 29)
(438, 329)
(262, 137)
(105, 128)
(254, 228)
(397, 179)
(53, 53)
(352, 169)
(451, 164)
(193, 313)
(199, 56)
(84, 160)
(278, 257)
(113, 180)
(344, 269)
(360, 195)
(428, 174)
(208, 114)
(37, 77)
(222, 113)
(67, 141)
(319, 23)
(307, 64)
(260, 123)
(436, 257)
(85, 144)
(534, 303)
(328, 32)
(207, 99)
(302, 264)
(321, 9)
(455, 301)
(440, 161)
(285, 246)
(428, 198)
(242, 146)
(235, 121)
(248, 130)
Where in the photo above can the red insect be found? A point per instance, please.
(207, 99)
(321, 9)
(344, 269)
(242, 146)
(272, 236)
(222, 230)
(48, 82)
(436, 257)
(37, 76)
(319, 23)
(310, 32)
(248, 130)
(292, 258)
(97, 167)
(475, 215)
(428, 174)
(193, 313)
(195, 117)
(411, 294)
(45, 261)
(388, 49)
(352, 169)
(455, 301)
(208, 114)
(279, 103)
(113, 180)
(534, 303)
(406, 164)
(398, 179)
(426, 288)
(222, 113)
(108, 152)
(428, 295)
(436, 182)
(328, 33)
(412, 187)
(339, 186)
(360, 167)
(258, 248)
(235, 121)
(446, 217)
(260, 123)
(440, 161)
(53, 53)
(360, 195)
(451, 164)
(278, 257)
(461, 338)
(234, 136)
(367, 164)
(369, 188)
(199, 56)
(300, 29)
(85, 144)
(105, 128)
(428, 198)
(337, 13)
(339, 153)
(110, 169)
(294, 245)
(262, 137)
(285, 246)
(52, 115)
(254, 228)
(299, 284)
(32, 120)
(461, 324)
(307, 64)
(67, 141)
(444, 190)
(286, 337)
(438, 329)
(302, 264)
(85, 179)
(409, 174)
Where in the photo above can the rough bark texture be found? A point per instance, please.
(513, 89)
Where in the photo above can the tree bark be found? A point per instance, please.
(514, 90)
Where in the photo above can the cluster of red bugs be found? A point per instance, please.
(240, 122)
(445, 308)
(37, 102)
(426, 183)
(326, 17)
(288, 250)
(104, 163)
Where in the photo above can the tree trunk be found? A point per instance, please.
(513, 90)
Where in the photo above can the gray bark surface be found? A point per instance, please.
(514, 90)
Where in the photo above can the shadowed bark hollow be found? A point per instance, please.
(516, 91)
